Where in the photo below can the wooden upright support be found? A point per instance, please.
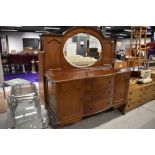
(137, 54)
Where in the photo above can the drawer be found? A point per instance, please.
(134, 98)
(132, 106)
(98, 94)
(148, 98)
(149, 88)
(98, 83)
(148, 93)
(99, 105)
(135, 92)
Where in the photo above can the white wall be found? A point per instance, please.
(125, 43)
(15, 39)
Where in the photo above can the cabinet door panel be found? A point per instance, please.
(121, 88)
(70, 103)
(52, 48)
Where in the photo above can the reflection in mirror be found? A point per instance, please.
(82, 50)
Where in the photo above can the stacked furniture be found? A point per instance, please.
(17, 61)
(21, 94)
(137, 54)
(151, 53)
(71, 92)
(139, 94)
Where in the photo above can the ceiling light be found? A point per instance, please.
(108, 27)
(7, 30)
(148, 32)
(120, 37)
(51, 28)
(127, 30)
(108, 33)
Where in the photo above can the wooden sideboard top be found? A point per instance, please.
(59, 75)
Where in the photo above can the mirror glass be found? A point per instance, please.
(82, 50)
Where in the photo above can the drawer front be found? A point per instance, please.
(95, 106)
(135, 92)
(148, 98)
(91, 95)
(132, 98)
(149, 93)
(135, 102)
(99, 83)
(133, 105)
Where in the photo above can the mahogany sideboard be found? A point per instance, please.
(69, 92)
(74, 94)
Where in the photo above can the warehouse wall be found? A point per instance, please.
(125, 43)
(15, 39)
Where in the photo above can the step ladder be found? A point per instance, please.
(137, 53)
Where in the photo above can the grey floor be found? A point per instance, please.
(141, 118)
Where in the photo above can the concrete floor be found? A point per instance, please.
(141, 118)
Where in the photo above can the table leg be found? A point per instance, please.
(23, 67)
(4, 92)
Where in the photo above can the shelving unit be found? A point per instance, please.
(137, 54)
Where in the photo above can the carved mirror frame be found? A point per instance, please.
(91, 31)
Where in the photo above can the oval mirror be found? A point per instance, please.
(82, 50)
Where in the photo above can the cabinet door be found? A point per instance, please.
(70, 100)
(121, 88)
